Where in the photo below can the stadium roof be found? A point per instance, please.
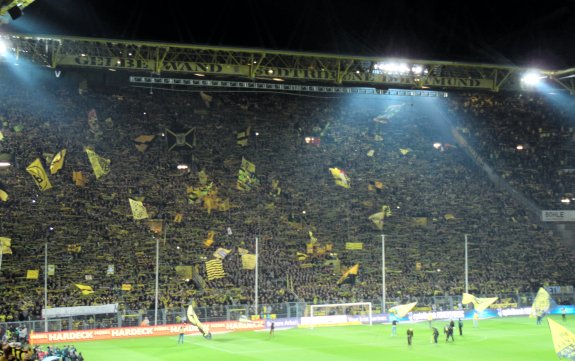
(450, 35)
(506, 33)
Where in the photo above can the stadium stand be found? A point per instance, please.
(434, 197)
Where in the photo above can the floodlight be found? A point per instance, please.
(436, 145)
(565, 200)
(532, 78)
(417, 69)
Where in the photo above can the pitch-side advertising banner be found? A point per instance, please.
(143, 331)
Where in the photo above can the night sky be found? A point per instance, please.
(525, 33)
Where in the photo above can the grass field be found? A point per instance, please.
(509, 339)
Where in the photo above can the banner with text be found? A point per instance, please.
(144, 331)
(558, 216)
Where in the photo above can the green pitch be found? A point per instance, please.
(514, 338)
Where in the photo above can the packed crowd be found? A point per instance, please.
(15, 345)
(435, 196)
(528, 138)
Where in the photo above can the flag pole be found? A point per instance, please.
(383, 273)
(158, 272)
(466, 268)
(46, 286)
(256, 295)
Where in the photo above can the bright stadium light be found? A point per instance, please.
(417, 69)
(565, 200)
(532, 78)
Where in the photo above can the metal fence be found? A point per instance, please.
(127, 318)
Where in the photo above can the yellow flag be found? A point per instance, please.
(449, 216)
(309, 248)
(341, 179)
(86, 290)
(249, 261)
(185, 272)
(144, 138)
(541, 303)
(353, 245)
(74, 248)
(246, 176)
(155, 225)
(57, 162)
(143, 142)
(3, 195)
(32, 274)
(379, 217)
(178, 218)
(6, 245)
(210, 240)
(100, 165)
(563, 340)
(467, 298)
(39, 174)
(248, 166)
(215, 269)
(243, 137)
(479, 304)
(349, 275)
(312, 239)
(404, 151)
(401, 311)
(203, 177)
(301, 256)
(138, 209)
(242, 251)
(206, 98)
(126, 287)
(79, 179)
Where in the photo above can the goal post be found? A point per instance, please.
(339, 314)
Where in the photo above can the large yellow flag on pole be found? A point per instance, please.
(37, 172)
(541, 303)
(563, 340)
(401, 310)
(100, 165)
(479, 304)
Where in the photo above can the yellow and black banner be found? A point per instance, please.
(37, 172)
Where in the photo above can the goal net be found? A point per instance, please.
(338, 314)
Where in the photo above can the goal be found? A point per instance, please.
(338, 314)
